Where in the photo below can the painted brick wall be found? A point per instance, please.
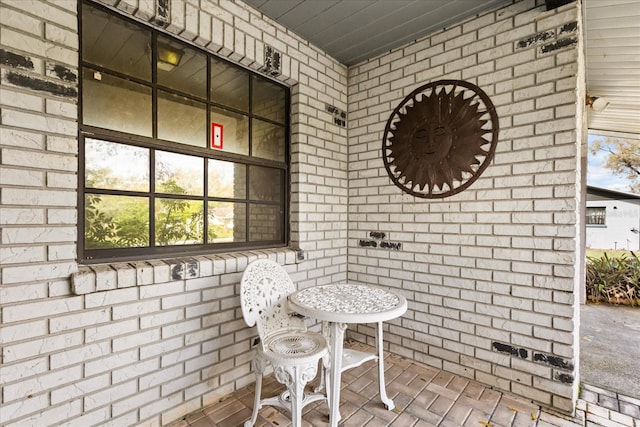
(491, 274)
(140, 343)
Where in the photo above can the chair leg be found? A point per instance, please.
(258, 365)
(297, 394)
(295, 378)
(256, 402)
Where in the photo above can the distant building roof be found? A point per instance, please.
(598, 193)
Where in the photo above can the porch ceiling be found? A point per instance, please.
(355, 30)
(613, 63)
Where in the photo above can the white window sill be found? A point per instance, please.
(104, 277)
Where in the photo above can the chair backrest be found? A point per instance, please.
(264, 289)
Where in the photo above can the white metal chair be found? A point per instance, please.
(285, 344)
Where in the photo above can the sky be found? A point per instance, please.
(598, 175)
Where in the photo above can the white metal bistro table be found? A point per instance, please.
(340, 304)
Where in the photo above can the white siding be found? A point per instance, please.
(621, 216)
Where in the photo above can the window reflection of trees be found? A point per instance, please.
(114, 221)
(141, 192)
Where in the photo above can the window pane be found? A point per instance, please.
(115, 221)
(182, 68)
(268, 100)
(113, 43)
(235, 130)
(113, 166)
(179, 174)
(265, 183)
(114, 103)
(265, 223)
(182, 120)
(179, 222)
(227, 179)
(229, 85)
(596, 215)
(167, 103)
(267, 141)
(227, 222)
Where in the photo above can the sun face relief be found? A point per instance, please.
(440, 139)
(432, 142)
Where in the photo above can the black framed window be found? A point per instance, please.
(181, 152)
(596, 215)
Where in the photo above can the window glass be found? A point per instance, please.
(267, 140)
(113, 103)
(268, 100)
(596, 215)
(265, 223)
(178, 222)
(115, 221)
(113, 166)
(182, 120)
(227, 179)
(235, 130)
(181, 68)
(227, 222)
(179, 174)
(182, 152)
(111, 42)
(229, 85)
(265, 183)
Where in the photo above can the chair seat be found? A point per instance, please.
(295, 348)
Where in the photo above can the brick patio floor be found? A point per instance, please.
(423, 396)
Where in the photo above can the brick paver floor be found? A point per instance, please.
(424, 397)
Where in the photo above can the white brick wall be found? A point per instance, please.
(125, 344)
(481, 268)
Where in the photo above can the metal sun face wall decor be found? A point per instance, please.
(440, 139)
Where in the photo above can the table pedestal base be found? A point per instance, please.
(343, 359)
(336, 344)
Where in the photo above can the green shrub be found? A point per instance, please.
(614, 279)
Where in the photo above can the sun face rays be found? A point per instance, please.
(440, 137)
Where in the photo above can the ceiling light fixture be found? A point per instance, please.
(597, 103)
(168, 57)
